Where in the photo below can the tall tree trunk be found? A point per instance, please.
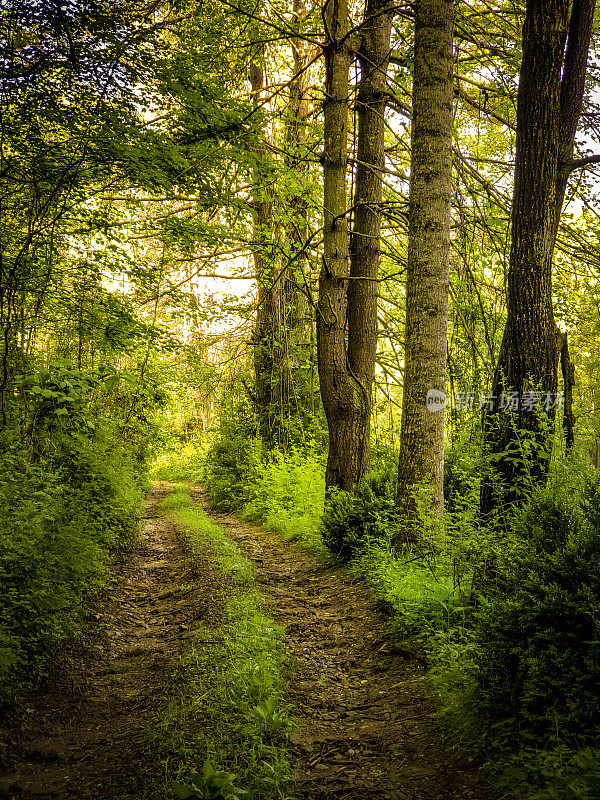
(373, 58)
(293, 314)
(422, 427)
(348, 286)
(548, 109)
(262, 253)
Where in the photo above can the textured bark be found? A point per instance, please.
(338, 388)
(373, 58)
(425, 365)
(568, 374)
(548, 109)
(265, 323)
(348, 285)
(280, 313)
(292, 310)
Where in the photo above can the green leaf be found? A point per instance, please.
(208, 770)
(110, 383)
(182, 791)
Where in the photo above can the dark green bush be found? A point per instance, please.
(352, 521)
(535, 660)
(60, 518)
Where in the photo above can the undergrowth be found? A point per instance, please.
(284, 491)
(287, 496)
(506, 612)
(508, 619)
(62, 514)
(227, 729)
(183, 464)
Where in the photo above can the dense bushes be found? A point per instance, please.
(61, 514)
(535, 666)
(231, 461)
(519, 672)
(287, 495)
(508, 613)
(284, 491)
(352, 522)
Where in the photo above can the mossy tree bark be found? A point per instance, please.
(422, 429)
(556, 38)
(347, 307)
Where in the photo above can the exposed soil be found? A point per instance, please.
(87, 734)
(367, 728)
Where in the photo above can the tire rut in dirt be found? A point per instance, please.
(86, 735)
(368, 729)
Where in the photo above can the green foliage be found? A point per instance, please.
(538, 644)
(184, 464)
(232, 461)
(353, 521)
(269, 718)
(60, 518)
(287, 495)
(209, 784)
(461, 477)
(519, 682)
(230, 712)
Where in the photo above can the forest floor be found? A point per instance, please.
(367, 727)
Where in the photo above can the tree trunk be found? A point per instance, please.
(373, 58)
(425, 365)
(568, 374)
(262, 338)
(548, 109)
(348, 286)
(294, 333)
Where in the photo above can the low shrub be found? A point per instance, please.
(232, 461)
(351, 522)
(287, 495)
(184, 464)
(461, 477)
(539, 643)
(60, 518)
(523, 688)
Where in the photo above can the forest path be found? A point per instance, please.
(86, 736)
(368, 730)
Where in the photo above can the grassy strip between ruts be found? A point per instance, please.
(227, 729)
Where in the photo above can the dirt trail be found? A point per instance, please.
(88, 738)
(368, 729)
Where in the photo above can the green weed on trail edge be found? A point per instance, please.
(61, 519)
(225, 734)
(287, 496)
